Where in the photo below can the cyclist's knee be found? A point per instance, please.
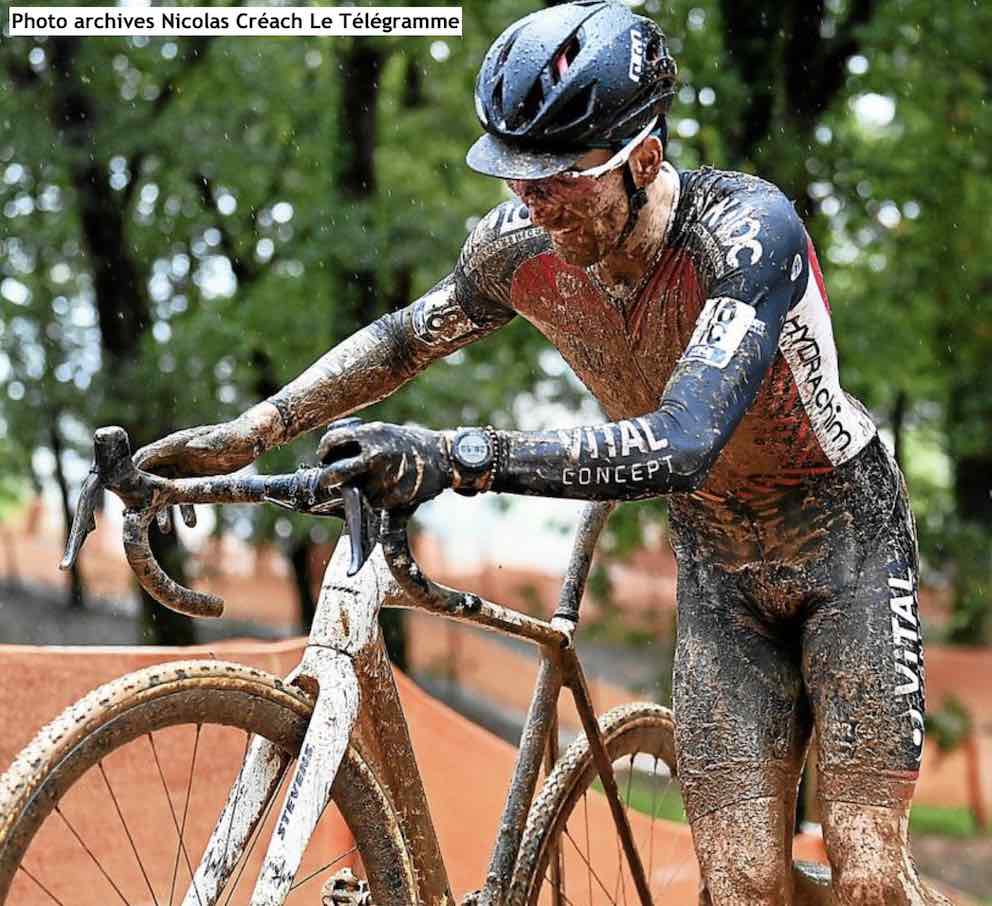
(741, 850)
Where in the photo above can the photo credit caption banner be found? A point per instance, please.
(179, 21)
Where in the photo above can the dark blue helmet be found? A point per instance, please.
(589, 74)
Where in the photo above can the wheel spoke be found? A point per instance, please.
(181, 847)
(42, 886)
(89, 852)
(626, 809)
(237, 799)
(670, 845)
(330, 864)
(620, 872)
(647, 737)
(592, 870)
(172, 810)
(585, 808)
(102, 820)
(561, 891)
(246, 858)
(654, 817)
(127, 831)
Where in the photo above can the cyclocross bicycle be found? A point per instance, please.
(332, 732)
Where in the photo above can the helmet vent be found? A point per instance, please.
(578, 108)
(504, 54)
(531, 104)
(498, 97)
(561, 62)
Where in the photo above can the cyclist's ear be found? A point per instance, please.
(646, 160)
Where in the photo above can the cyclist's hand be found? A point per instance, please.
(214, 449)
(395, 465)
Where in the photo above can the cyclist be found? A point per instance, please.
(692, 306)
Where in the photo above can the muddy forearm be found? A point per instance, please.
(374, 362)
(364, 368)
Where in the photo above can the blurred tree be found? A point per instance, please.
(876, 124)
(34, 346)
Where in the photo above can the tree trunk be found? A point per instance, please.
(972, 548)
(161, 626)
(120, 294)
(299, 551)
(12, 578)
(299, 560)
(792, 73)
(362, 65)
(76, 598)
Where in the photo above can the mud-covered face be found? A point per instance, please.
(583, 215)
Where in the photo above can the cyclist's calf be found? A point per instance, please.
(742, 852)
(868, 848)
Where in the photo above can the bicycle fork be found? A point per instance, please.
(309, 789)
(344, 661)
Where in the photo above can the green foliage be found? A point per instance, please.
(654, 796)
(942, 821)
(973, 563)
(13, 489)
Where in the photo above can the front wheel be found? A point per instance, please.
(115, 800)
(571, 854)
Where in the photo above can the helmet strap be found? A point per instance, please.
(636, 199)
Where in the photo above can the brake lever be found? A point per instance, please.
(84, 519)
(355, 509)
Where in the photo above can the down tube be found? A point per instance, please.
(384, 738)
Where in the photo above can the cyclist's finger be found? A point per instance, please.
(188, 513)
(164, 451)
(212, 441)
(344, 471)
(164, 517)
(349, 421)
(342, 433)
(340, 448)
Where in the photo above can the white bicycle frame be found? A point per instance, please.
(344, 663)
(357, 703)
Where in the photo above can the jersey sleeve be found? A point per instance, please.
(756, 267)
(498, 245)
